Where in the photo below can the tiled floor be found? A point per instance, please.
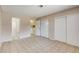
(37, 44)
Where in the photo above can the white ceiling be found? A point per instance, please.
(34, 10)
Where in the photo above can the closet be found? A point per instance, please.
(42, 28)
(73, 29)
(67, 29)
(60, 28)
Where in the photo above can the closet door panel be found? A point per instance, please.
(44, 28)
(73, 29)
(60, 29)
(38, 28)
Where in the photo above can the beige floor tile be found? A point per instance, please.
(38, 45)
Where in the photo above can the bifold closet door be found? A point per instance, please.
(44, 28)
(60, 28)
(15, 28)
(38, 29)
(73, 29)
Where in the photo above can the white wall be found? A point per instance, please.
(38, 29)
(25, 28)
(6, 27)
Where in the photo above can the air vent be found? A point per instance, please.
(41, 6)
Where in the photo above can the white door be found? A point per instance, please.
(60, 28)
(38, 27)
(73, 29)
(15, 28)
(44, 28)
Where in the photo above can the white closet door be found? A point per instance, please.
(38, 28)
(44, 28)
(15, 28)
(60, 28)
(73, 29)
